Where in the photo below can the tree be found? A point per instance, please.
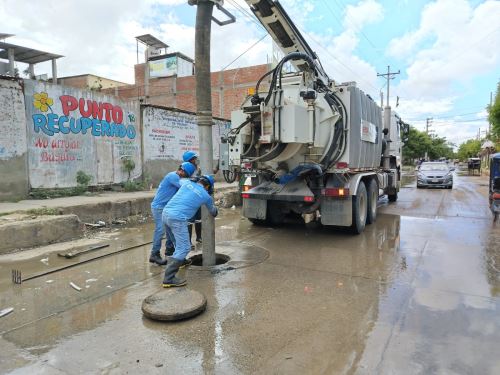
(469, 149)
(494, 116)
(419, 143)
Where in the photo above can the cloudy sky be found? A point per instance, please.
(448, 51)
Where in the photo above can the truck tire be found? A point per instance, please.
(393, 197)
(359, 209)
(258, 222)
(371, 215)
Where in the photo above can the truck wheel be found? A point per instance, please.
(371, 215)
(359, 209)
(393, 197)
(258, 222)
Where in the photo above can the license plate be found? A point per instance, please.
(434, 180)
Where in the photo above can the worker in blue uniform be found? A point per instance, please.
(191, 196)
(168, 187)
(192, 157)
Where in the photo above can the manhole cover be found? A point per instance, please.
(174, 304)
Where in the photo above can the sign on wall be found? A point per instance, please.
(163, 68)
(71, 130)
(168, 134)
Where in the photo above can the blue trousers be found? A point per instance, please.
(159, 231)
(178, 232)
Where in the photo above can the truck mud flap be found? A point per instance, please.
(336, 211)
(254, 208)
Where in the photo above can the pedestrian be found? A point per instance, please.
(190, 197)
(192, 157)
(168, 187)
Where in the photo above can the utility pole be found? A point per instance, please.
(387, 117)
(389, 75)
(204, 108)
(428, 124)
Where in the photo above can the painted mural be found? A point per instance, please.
(71, 130)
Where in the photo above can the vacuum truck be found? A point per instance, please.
(308, 146)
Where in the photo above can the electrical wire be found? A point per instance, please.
(244, 52)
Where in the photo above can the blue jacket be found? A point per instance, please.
(167, 189)
(190, 197)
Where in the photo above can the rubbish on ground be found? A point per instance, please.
(45, 261)
(90, 280)
(74, 286)
(233, 207)
(6, 311)
(98, 224)
(120, 222)
(76, 253)
(49, 281)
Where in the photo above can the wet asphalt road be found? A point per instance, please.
(416, 293)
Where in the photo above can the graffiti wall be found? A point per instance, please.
(168, 133)
(13, 150)
(71, 130)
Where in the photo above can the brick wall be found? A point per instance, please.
(229, 89)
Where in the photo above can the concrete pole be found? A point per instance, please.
(387, 125)
(12, 68)
(204, 115)
(54, 71)
(32, 71)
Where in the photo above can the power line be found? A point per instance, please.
(335, 58)
(244, 52)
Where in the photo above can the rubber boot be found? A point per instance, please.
(169, 251)
(169, 280)
(156, 258)
(197, 229)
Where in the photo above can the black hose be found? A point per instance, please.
(260, 80)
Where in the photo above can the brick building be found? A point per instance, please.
(89, 81)
(229, 89)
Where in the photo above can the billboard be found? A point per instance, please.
(163, 68)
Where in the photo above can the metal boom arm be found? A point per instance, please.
(286, 35)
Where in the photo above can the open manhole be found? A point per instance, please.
(219, 259)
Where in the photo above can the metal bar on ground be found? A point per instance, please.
(72, 255)
(17, 276)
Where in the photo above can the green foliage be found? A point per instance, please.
(469, 149)
(419, 142)
(43, 211)
(133, 186)
(128, 165)
(494, 116)
(82, 178)
(57, 193)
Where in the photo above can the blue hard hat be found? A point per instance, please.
(188, 168)
(188, 155)
(210, 179)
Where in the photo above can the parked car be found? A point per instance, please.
(434, 174)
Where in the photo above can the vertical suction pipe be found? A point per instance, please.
(312, 124)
